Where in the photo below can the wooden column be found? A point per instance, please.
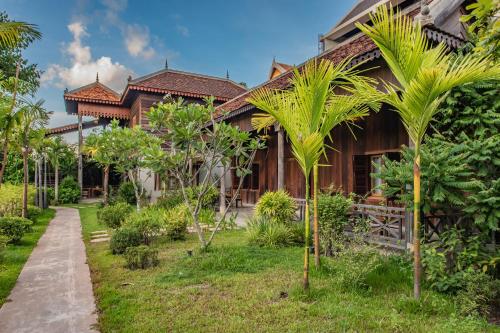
(222, 205)
(80, 158)
(281, 158)
(45, 199)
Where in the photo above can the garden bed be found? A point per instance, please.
(238, 288)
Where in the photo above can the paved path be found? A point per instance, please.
(53, 293)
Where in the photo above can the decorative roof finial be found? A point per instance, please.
(66, 90)
(274, 59)
(166, 63)
(97, 77)
(129, 78)
(227, 74)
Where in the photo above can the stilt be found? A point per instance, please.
(80, 158)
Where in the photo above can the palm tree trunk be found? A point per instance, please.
(417, 270)
(307, 236)
(105, 185)
(25, 181)
(45, 199)
(56, 183)
(317, 262)
(4, 160)
(40, 188)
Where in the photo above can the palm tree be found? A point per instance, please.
(9, 119)
(13, 32)
(308, 112)
(425, 74)
(57, 149)
(33, 119)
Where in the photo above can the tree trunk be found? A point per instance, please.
(4, 160)
(317, 262)
(417, 270)
(105, 185)
(80, 157)
(25, 181)
(45, 199)
(307, 236)
(36, 182)
(56, 183)
(39, 190)
(222, 204)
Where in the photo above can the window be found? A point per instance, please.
(376, 183)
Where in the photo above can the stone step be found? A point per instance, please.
(100, 240)
(99, 232)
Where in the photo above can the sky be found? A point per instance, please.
(118, 38)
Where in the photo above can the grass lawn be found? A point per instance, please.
(237, 288)
(17, 254)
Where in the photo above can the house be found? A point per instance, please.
(355, 155)
(130, 107)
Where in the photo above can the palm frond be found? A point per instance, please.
(12, 32)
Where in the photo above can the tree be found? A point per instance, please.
(30, 131)
(425, 74)
(99, 146)
(308, 113)
(57, 150)
(193, 136)
(11, 32)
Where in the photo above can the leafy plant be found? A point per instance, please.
(126, 193)
(11, 199)
(123, 238)
(332, 217)
(175, 222)
(33, 213)
(278, 207)
(69, 191)
(14, 227)
(264, 232)
(141, 257)
(148, 222)
(169, 199)
(114, 215)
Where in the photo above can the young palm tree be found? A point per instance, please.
(34, 118)
(57, 149)
(12, 32)
(308, 112)
(425, 74)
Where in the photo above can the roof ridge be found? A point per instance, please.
(95, 83)
(164, 70)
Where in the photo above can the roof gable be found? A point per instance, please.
(94, 92)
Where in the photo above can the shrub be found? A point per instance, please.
(148, 222)
(478, 294)
(69, 191)
(175, 222)
(126, 193)
(297, 231)
(170, 199)
(3, 245)
(207, 200)
(277, 207)
(123, 238)
(332, 219)
(114, 215)
(11, 199)
(141, 257)
(34, 212)
(263, 232)
(14, 227)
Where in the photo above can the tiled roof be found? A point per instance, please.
(70, 128)
(175, 82)
(95, 92)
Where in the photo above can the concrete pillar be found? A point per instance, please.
(80, 158)
(281, 159)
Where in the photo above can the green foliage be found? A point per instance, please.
(69, 191)
(332, 218)
(114, 215)
(264, 232)
(14, 227)
(3, 245)
(479, 293)
(11, 199)
(170, 199)
(446, 176)
(123, 238)
(126, 193)
(148, 222)
(208, 199)
(278, 207)
(34, 212)
(141, 257)
(14, 168)
(175, 222)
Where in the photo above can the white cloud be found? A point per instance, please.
(183, 30)
(83, 68)
(137, 41)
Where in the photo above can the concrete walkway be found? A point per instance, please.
(54, 292)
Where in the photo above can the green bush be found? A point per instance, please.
(175, 222)
(148, 222)
(332, 218)
(126, 193)
(479, 292)
(3, 245)
(114, 215)
(277, 207)
(11, 199)
(354, 264)
(34, 212)
(208, 199)
(14, 227)
(263, 232)
(141, 257)
(170, 199)
(69, 191)
(123, 238)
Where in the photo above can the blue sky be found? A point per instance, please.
(120, 37)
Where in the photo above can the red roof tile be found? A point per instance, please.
(95, 92)
(175, 82)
